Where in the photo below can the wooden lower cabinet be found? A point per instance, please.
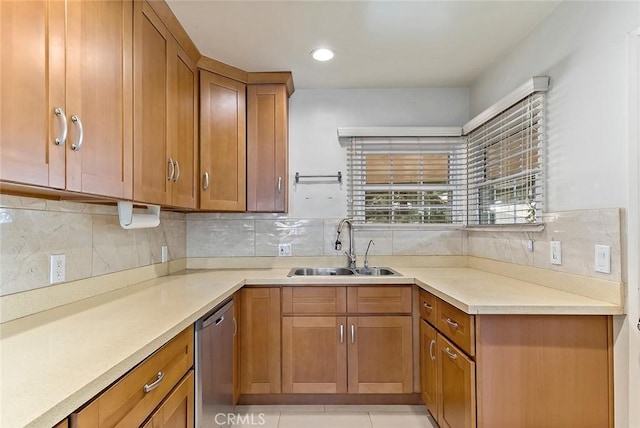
(429, 367)
(314, 354)
(62, 424)
(134, 397)
(456, 394)
(259, 348)
(177, 410)
(380, 354)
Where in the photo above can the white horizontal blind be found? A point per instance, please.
(505, 165)
(406, 180)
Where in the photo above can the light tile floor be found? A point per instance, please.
(333, 416)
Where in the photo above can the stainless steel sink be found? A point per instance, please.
(371, 271)
(320, 272)
(376, 271)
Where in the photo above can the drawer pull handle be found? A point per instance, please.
(172, 168)
(450, 354)
(154, 385)
(427, 306)
(63, 134)
(433, 357)
(78, 145)
(452, 323)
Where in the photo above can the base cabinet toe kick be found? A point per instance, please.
(515, 370)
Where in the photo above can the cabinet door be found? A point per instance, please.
(380, 354)
(99, 96)
(183, 127)
(267, 148)
(456, 387)
(32, 62)
(177, 410)
(429, 367)
(222, 143)
(260, 341)
(151, 168)
(314, 355)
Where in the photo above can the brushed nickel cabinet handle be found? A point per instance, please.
(172, 168)
(433, 357)
(206, 181)
(78, 144)
(63, 118)
(353, 333)
(177, 167)
(154, 385)
(452, 323)
(235, 326)
(450, 354)
(427, 306)
(279, 184)
(341, 333)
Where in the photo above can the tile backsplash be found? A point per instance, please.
(578, 231)
(94, 244)
(222, 235)
(88, 234)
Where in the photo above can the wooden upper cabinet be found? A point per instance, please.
(151, 164)
(32, 61)
(165, 120)
(222, 143)
(36, 106)
(267, 148)
(99, 97)
(183, 131)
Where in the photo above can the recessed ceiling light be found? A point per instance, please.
(322, 54)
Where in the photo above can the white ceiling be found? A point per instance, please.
(378, 44)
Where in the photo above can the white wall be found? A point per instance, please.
(584, 47)
(315, 115)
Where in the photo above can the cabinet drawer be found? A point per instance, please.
(428, 307)
(125, 403)
(314, 300)
(379, 300)
(457, 326)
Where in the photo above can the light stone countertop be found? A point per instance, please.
(54, 361)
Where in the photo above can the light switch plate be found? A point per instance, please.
(603, 258)
(165, 254)
(57, 268)
(555, 252)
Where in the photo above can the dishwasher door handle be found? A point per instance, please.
(213, 319)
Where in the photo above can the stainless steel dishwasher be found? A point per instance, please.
(214, 366)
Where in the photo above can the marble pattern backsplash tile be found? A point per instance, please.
(88, 234)
(215, 235)
(578, 231)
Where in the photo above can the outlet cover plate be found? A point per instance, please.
(555, 252)
(603, 258)
(57, 268)
(284, 250)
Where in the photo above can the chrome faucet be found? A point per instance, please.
(366, 254)
(351, 254)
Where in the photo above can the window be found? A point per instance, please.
(505, 165)
(406, 180)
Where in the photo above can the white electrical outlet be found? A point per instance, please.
(555, 252)
(165, 254)
(57, 268)
(603, 258)
(284, 250)
(530, 245)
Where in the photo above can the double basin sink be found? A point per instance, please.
(369, 271)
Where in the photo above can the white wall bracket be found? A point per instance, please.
(129, 220)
